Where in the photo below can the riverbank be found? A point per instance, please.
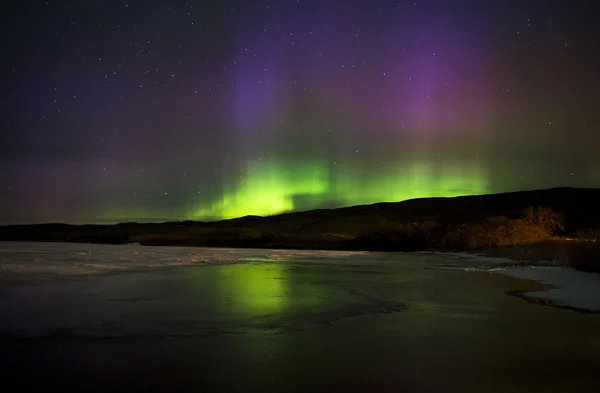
(443, 224)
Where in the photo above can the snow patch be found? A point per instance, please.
(569, 287)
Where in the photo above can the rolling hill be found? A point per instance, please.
(426, 223)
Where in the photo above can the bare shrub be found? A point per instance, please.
(544, 217)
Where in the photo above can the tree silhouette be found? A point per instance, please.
(544, 217)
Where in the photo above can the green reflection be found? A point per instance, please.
(252, 290)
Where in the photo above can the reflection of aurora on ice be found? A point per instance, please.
(254, 290)
(284, 297)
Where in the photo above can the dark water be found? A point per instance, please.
(383, 323)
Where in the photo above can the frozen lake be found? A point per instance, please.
(83, 317)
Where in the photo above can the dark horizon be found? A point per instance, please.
(124, 110)
(167, 220)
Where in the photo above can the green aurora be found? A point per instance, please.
(270, 187)
(250, 108)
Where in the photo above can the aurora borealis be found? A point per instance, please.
(136, 110)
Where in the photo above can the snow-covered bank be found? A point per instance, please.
(568, 287)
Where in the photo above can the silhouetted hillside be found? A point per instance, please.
(466, 222)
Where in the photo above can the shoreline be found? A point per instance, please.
(546, 302)
(560, 285)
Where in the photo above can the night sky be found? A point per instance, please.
(161, 110)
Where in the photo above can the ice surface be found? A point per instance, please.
(374, 321)
(67, 259)
(488, 263)
(571, 288)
